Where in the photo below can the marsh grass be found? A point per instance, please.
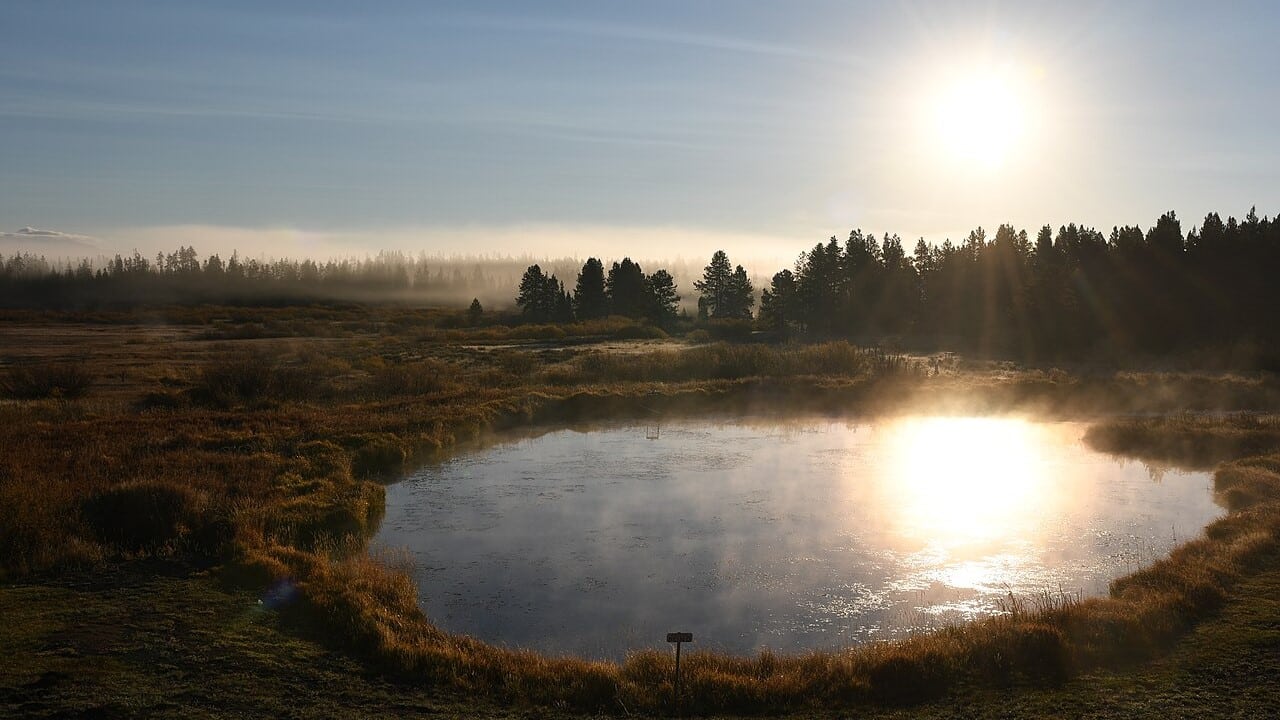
(268, 458)
(725, 361)
(39, 380)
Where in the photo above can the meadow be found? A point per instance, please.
(209, 476)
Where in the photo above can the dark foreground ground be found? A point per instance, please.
(164, 641)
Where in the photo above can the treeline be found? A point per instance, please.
(628, 292)
(1070, 292)
(182, 276)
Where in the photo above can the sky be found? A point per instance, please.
(654, 129)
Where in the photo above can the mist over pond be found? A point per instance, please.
(792, 536)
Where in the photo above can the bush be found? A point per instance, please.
(640, 332)
(417, 378)
(903, 677)
(376, 455)
(252, 377)
(733, 330)
(35, 381)
(145, 515)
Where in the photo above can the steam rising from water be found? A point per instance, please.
(805, 535)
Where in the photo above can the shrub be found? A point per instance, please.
(417, 378)
(734, 330)
(35, 381)
(145, 515)
(640, 332)
(538, 332)
(902, 677)
(159, 400)
(377, 454)
(252, 377)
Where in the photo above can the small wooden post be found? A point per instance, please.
(678, 638)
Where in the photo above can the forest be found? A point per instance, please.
(1073, 292)
(182, 277)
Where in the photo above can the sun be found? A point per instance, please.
(980, 116)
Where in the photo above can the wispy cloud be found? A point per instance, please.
(37, 240)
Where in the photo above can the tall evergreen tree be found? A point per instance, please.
(739, 297)
(531, 298)
(663, 299)
(589, 298)
(778, 303)
(542, 297)
(562, 310)
(713, 288)
(627, 290)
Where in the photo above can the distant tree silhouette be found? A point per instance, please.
(589, 297)
(628, 290)
(739, 297)
(542, 297)
(663, 299)
(475, 312)
(778, 309)
(562, 311)
(713, 288)
(1069, 293)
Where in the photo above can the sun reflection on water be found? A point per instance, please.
(964, 481)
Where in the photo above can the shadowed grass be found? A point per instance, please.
(59, 380)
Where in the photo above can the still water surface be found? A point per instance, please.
(790, 536)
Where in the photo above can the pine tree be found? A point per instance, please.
(627, 291)
(739, 296)
(777, 303)
(589, 298)
(662, 297)
(713, 288)
(532, 289)
(540, 297)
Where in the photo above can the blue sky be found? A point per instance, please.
(557, 127)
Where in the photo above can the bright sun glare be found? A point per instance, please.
(961, 481)
(981, 116)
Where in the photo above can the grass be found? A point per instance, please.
(263, 458)
(62, 380)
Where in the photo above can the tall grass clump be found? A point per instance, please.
(146, 515)
(254, 377)
(725, 361)
(34, 381)
(421, 377)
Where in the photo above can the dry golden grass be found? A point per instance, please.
(264, 457)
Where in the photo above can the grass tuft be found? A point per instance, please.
(36, 381)
(146, 515)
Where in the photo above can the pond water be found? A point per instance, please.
(809, 534)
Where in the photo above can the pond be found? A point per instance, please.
(799, 535)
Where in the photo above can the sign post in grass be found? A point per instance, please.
(678, 638)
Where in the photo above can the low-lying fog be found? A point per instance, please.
(803, 535)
